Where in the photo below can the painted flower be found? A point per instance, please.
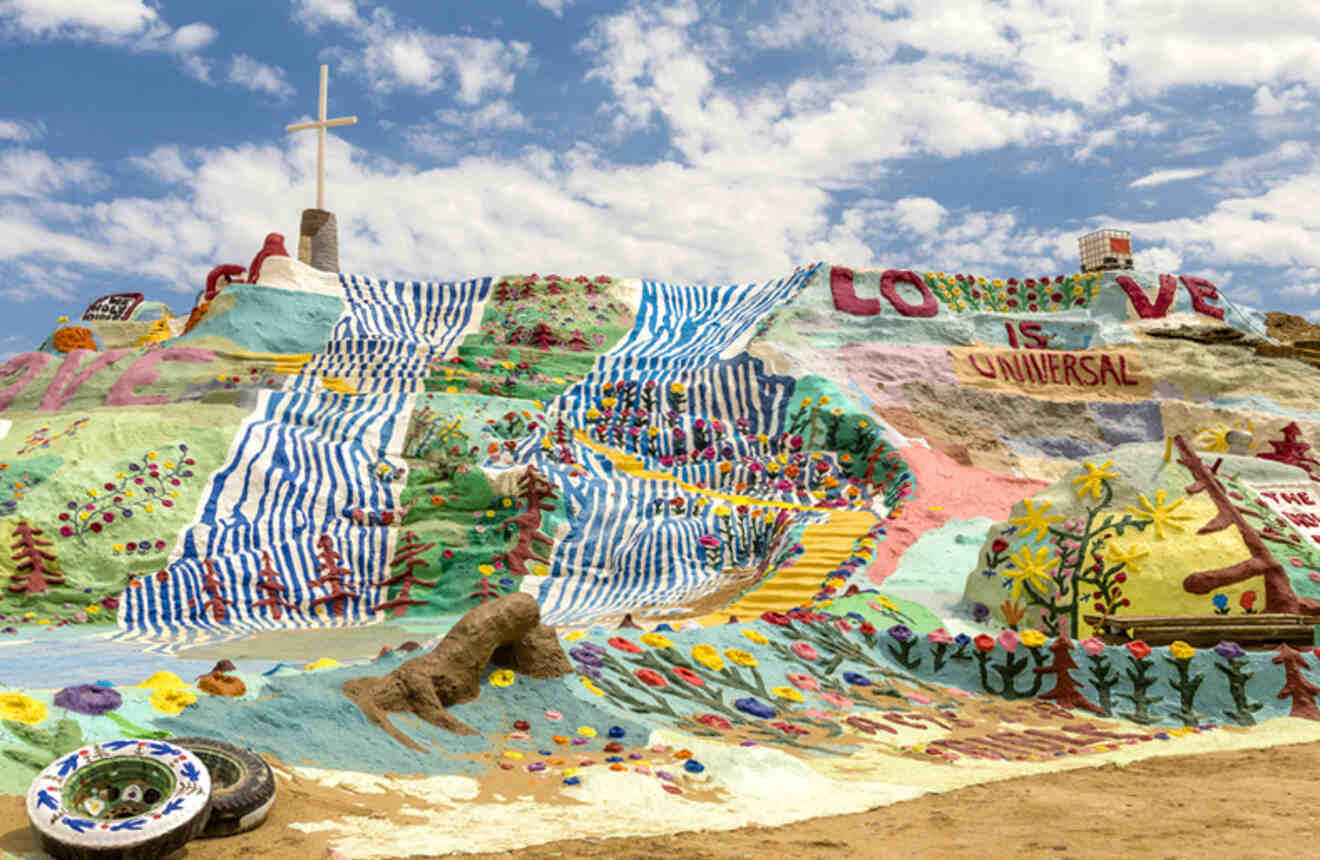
(651, 678)
(23, 709)
(1230, 650)
(901, 633)
(714, 721)
(656, 640)
(1181, 650)
(805, 651)
(778, 619)
(707, 656)
(625, 645)
(1159, 514)
(1009, 640)
(172, 700)
(1128, 557)
(755, 708)
(502, 678)
(586, 656)
(940, 636)
(985, 643)
(1036, 519)
(1029, 569)
(1032, 638)
(1247, 600)
(1092, 645)
(688, 676)
(742, 658)
(709, 541)
(755, 636)
(90, 699)
(837, 700)
(803, 682)
(591, 688)
(1093, 481)
(980, 612)
(1220, 601)
(857, 679)
(1138, 649)
(787, 693)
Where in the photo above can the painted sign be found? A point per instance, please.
(1057, 374)
(1298, 503)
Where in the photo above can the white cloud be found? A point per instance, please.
(1157, 259)
(920, 215)
(554, 7)
(165, 163)
(1125, 131)
(1287, 101)
(20, 132)
(1160, 177)
(103, 20)
(257, 76)
(30, 173)
(392, 55)
(315, 13)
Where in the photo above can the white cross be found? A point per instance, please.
(321, 124)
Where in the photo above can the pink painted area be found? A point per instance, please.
(895, 364)
(32, 364)
(144, 372)
(960, 492)
(71, 375)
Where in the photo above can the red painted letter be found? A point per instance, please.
(845, 298)
(1144, 309)
(889, 289)
(1202, 292)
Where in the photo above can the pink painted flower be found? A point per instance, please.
(803, 682)
(1009, 640)
(805, 651)
(1092, 645)
(843, 626)
(836, 700)
(940, 637)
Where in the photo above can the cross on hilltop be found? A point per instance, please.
(321, 124)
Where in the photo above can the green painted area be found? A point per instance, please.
(259, 318)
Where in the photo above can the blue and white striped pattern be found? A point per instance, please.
(391, 331)
(297, 464)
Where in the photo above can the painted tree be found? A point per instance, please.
(1295, 686)
(406, 557)
(484, 590)
(214, 588)
(269, 583)
(1279, 594)
(34, 577)
(332, 575)
(537, 492)
(1293, 451)
(1065, 693)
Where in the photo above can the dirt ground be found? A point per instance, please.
(1249, 804)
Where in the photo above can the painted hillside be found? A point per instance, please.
(837, 522)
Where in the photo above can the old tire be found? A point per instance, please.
(120, 800)
(242, 785)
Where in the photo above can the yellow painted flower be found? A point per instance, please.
(575, 636)
(1160, 514)
(806, 401)
(92, 493)
(885, 602)
(653, 431)
(451, 389)
(485, 569)
(593, 413)
(742, 658)
(172, 701)
(1035, 519)
(677, 388)
(119, 547)
(586, 731)
(151, 455)
(324, 662)
(1093, 481)
(23, 709)
(1129, 557)
(1032, 638)
(656, 640)
(540, 569)
(787, 693)
(149, 508)
(609, 402)
(755, 636)
(1030, 569)
(708, 657)
(591, 688)
(92, 609)
(501, 678)
(1181, 650)
(506, 502)
(824, 398)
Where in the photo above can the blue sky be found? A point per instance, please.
(142, 141)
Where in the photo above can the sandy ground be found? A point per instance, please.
(1254, 803)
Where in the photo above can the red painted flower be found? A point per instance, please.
(689, 676)
(1247, 600)
(1138, 649)
(789, 728)
(778, 619)
(998, 545)
(867, 628)
(985, 642)
(714, 721)
(651, 678)
(626, 645)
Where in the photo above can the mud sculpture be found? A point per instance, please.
(507, 631)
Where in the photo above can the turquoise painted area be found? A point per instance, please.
(941, 557)
(268, 319)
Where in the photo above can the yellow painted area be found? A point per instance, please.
(158, 333)
(288, 363)
(826, 545)
(338, 385)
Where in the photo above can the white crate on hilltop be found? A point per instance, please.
(1106, 249)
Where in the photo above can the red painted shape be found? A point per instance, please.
(228, 270)
(144, 372)
(1031, 332)
(273, 247)
(889, 289)
(1012, 334)
(71, 375)
(1143, 307)
(845, 296)
(32, 364)
(1203, 292)
(1120, 246)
